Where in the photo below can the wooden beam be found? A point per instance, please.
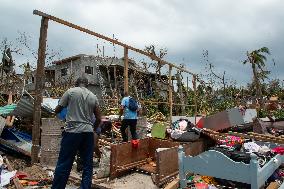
(170, 93)
(17, 184)
(126, 70)
(187, 83)
(74, 26)
(195, 97)
(115, 78)
(39, 84)
(173, 185)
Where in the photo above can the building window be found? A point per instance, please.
(89, 70)
(63, 72)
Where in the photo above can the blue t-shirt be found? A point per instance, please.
(128, 114)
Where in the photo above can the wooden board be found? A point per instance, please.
(173, 185)
(158, 143)
(148, 168)
(123, 154)
(167, 160)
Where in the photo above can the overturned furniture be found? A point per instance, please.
(216, 164)
(224, 120)
(158, 157)
(262, 127)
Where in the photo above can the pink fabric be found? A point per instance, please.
(231, 140)
(182, 125)
(278, 150)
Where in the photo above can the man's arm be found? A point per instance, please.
(58, 109)
(139, 110)
(121, 109)
(63, 102)
(97, 113)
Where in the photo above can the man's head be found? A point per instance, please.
(82, 82)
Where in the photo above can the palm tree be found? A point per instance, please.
(257, 60)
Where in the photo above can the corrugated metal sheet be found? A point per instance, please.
(5, 110)
(2, 124)
(25, 107)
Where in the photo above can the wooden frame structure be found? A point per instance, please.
(124, 157)
(41, 62)
(216, 164)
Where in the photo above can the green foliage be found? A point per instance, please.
(150, 110)
(222, 105)
(279, 114)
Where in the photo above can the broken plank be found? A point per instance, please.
(99, 186)
(173, 185)
(17, 184)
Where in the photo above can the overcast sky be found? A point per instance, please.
(226, 28)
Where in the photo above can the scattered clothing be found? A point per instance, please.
(251, 147)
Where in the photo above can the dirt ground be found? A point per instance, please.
(134, 180)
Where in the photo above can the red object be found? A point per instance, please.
(200, 123)
(201, 186)
(32, 183)
(21, 175)
(278, 150)
(135, 143)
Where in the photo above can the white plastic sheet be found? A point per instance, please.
(50, 103)
(6, 177)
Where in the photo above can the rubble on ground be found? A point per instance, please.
(148, 172)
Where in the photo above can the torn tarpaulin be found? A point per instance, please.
(15, 141)
(6, 177)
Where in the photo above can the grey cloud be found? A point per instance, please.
(227, 29)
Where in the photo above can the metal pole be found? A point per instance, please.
(170, 93)
(39, 83)
(126, 70)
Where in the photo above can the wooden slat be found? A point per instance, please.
(114, 41)
(17, 184)
(256, 136)
(173, 185)
(170, 93)
(125, 70)
(39, 84)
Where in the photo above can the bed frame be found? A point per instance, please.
(216, 164)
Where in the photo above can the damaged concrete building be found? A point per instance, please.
(105, 75)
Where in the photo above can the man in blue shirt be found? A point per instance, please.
(130, 118)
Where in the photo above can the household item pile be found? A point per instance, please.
(184, 131)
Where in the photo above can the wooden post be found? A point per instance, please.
(39, 83)
(170, 93)
(125, 70)
(115, 79)
(195, 96)
(187, 83)
(114, 41)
